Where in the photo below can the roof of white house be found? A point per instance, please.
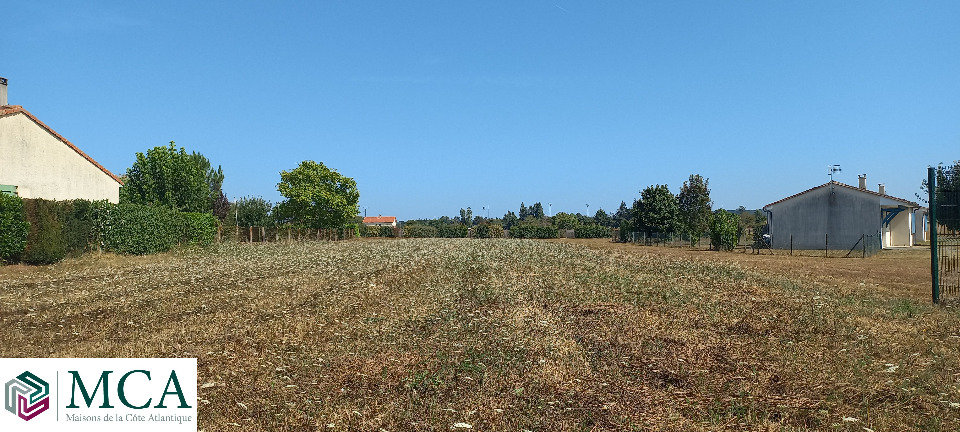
(8, 110)
(836, 183)
(379, 219)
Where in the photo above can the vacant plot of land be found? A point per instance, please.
(510, 335)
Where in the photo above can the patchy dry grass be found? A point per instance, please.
(508, 335)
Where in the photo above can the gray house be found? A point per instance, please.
(837, 215)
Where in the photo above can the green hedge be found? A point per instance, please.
(46, 243)
(452, 231)
(419, 231)
(14, 228)
(56, 229)
(591, 231)
(532, 230)
(488, 231)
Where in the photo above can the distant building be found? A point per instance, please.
(837, 215)
(390, 221)
(37, 162)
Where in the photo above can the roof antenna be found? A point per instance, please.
(833, 170)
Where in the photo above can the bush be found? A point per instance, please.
(199, 229)
(14, 228)
(488, 231)
(530, 230)
(723, 230)
(452, 231)
(419, 231)
(45, 241)
(591, 231)
(141, 229)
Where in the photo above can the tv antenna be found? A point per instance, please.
(833, 170)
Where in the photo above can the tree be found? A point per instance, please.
(723, 230)
(694, 205)
(523, 211)
(510, 219)
(252, 211)
(658, 210)
(466, 216)
(317, 196)
(565, 221)
(167, 177)
(537, 211)
(601, 218)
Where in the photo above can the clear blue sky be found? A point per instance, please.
(434, 106)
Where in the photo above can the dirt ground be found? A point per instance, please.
(895, 272)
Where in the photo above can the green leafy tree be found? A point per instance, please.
(524, 212)
(252, 212)
(537, 211)
(167, 176)
(317, 196)
(658, 210)
(723, 230)
(694, 205)
(565, 221)
(466, 216)
(601, 218)
(510, 219)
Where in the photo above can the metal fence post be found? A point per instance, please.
(934, 258)
(826, 244)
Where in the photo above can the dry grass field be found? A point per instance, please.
(511, 335)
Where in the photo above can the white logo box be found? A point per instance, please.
(99, 394)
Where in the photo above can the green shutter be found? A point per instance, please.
(9, 190)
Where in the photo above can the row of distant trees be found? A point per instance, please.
(658, 212)
(315, 196)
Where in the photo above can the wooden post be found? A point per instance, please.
(826, 244)
(791, 244)
(250, 232)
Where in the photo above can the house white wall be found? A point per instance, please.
(43, 166)
(837, 216)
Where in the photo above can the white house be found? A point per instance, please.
(37, 162)
(390, 221)
(836, 215)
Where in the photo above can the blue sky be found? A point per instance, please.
(434, 106)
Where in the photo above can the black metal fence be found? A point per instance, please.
(944, 236)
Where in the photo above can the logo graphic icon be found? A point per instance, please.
(27, 395)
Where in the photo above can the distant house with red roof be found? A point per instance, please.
(390, 221)
(837, 216)
(37, 162)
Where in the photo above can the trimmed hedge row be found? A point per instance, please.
(531, 231)
(57, 229)
(13, 228)
(591, 231)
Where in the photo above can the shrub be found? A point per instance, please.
(45, 241)
(488, 231)
(199, 229)
(141, 229)
(14, 228)
(452, 231)
(723, 230)
(531, 230)
(388, 231)
(592, 231)
(419, 231)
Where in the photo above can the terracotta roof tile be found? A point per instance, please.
(379, 219)
(836, 183)
(6, 110)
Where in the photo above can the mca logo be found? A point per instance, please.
(27, 396)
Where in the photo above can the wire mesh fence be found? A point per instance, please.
(947, 214)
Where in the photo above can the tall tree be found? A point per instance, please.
(466, 216)
(601, 218)
(565, 221)
(510, 219)
(317, 196)
(523, 211)
(166, 176)
(658, 210)
(694, 205)
(537, 211)
(252, 212)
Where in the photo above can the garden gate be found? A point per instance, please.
(944, 220)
